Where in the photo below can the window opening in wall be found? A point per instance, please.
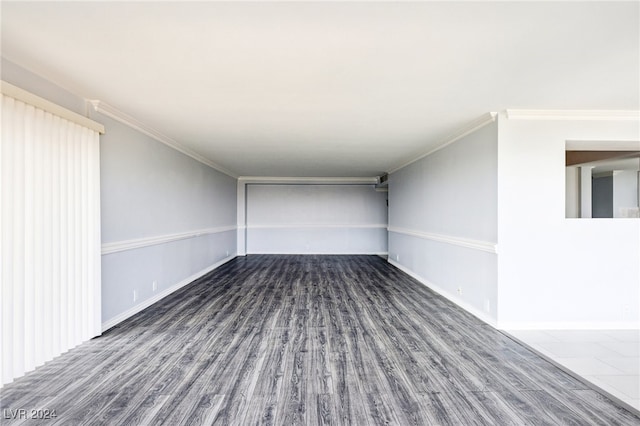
(602, 184)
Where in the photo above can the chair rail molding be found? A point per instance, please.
(118, 246)
(487, 246)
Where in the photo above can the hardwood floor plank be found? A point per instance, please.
(308, 340)
(348, 392)
(321, 410)
(556, 409)
(318, 363)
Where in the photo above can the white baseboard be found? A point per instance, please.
(464, 305)
(564, 325)
(148, 302)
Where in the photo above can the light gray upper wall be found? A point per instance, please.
(150, 189)
(453, 191)
(315, 204)
(319, 219)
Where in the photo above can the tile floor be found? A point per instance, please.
(610, 359)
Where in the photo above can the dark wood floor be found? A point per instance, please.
(307, 340)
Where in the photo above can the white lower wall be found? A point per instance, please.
(573, 274)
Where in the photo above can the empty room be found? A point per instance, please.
(347, 213)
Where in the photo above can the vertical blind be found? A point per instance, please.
(50, 243)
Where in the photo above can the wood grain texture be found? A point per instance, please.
(306, 340)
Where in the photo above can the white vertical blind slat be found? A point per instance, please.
(29, 240)
(40, 139)
(72, 226)
(71, 248)
(83, 234)
(50, 243)
(64, 237)
(47, 213)
(18, 282)
(6, 246)
(56, 237)
(2, 230)
(86, 235)
(96, 241)
(76, 180)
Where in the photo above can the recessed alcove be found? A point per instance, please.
(602, 180)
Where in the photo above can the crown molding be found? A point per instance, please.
(109, 111)
(557, 114)
(29, 98)
(469, 128)
(309, 180)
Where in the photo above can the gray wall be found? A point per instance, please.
(151, 190)
(336, 219)
(440, 205)
(148, 190)
(602, 196)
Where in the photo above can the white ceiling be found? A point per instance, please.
(328, 89)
